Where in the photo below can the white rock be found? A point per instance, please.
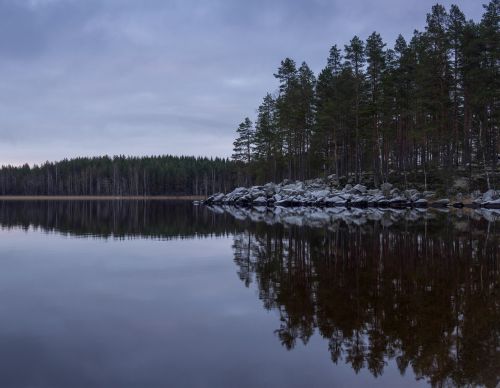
(218, 197)
(429, 194)
(260, 201)
(360, 188)
(490, 195)
(317, 194)
(374, 192)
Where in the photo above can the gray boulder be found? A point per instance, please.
(260, 201)
(429, 194)
(490, 195)
(319, 194)
(410, 193)
(269, 189)
(415, 197)
(347, 188)
(360, 189)
(217, 198)
(374, 192)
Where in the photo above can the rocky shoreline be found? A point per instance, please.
(321, 193)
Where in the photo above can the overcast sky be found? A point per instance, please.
(142, 77)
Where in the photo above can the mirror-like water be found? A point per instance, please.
(156, 294)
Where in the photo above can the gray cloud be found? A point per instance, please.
(162, 76)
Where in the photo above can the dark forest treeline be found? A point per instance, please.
(120, 175)
(425, 106)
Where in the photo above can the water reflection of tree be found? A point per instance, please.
(425, 295)
(116, 219)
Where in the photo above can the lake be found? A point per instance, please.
(168, 294)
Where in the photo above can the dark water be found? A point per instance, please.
(164, 294)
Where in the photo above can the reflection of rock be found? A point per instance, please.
(493, 204)
(491, 215)
(301, 215)
(422, 202)
(328, 217)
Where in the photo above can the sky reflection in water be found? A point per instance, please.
(154, 294)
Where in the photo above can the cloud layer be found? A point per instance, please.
(162, 76)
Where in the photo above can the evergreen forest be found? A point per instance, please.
(424, 110)
(121, 176)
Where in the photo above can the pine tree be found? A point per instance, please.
(324, 137)
(376, 58)
(243, 145)
(437, 67)
(286, 110)
(306, 111)
(355, 59)
(244, 148)
(334, 61)
(267, 140)
(455, 29)
(489, 95)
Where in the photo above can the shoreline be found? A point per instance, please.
(324, 193)
(101, 198)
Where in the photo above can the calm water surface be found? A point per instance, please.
(166, 294)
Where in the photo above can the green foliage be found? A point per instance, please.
(243, 145)
(429, 104)
(120, 175)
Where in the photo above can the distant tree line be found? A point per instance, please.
(429, 105)
(120, 175)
